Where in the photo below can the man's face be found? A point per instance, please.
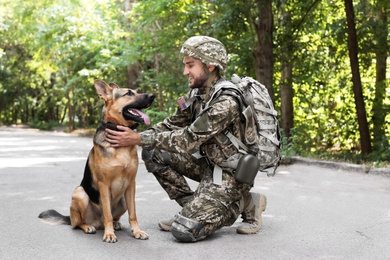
(194, 70)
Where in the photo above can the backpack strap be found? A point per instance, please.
(266, 110)
(241, 147)
(222, 87)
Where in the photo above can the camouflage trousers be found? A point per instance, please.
(215, 206)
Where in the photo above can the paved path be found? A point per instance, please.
(312, 213)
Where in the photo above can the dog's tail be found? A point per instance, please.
(53, 215)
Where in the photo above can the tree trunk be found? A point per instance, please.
(160, 90)
(365, 140)
(131, 76)
(380, 34)
(264, 51)
(71, 110)
(286, 89)
(26, 114)
(132, 70)
(286, 96)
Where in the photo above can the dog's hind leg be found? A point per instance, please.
(79, 211)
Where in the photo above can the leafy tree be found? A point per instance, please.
(50, 53)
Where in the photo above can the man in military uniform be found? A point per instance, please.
(192, 143)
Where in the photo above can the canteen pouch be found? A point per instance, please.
(247, 169)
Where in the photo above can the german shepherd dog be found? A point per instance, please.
(108, 186)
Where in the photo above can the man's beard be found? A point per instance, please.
(199, 82)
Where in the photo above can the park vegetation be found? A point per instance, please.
(324, 62)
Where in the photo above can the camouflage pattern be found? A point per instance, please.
(207, 49)
(196, 130)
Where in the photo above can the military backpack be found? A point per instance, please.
(259, 118)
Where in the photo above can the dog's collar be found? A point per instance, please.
(114, 127)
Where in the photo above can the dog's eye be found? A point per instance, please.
(129, 93)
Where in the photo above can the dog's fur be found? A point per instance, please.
(108, 186)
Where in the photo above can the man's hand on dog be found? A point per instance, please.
(126, 138)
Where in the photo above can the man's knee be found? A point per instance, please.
(187, 230)
(155, 160)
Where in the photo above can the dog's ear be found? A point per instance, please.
(103, 89)
(113, 85)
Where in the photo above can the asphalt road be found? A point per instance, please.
(312, 213)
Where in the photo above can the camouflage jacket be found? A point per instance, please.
(194, 129)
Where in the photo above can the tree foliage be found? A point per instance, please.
(51, 51)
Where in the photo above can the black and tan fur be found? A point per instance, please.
(108, 186)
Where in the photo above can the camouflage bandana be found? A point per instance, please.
(206, 49)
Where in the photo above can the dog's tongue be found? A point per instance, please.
(144, 116)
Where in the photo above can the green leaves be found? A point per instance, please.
(51, 51)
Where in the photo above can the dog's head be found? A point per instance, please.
(123, 106)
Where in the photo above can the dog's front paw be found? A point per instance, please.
(140, 235)
(109, 238)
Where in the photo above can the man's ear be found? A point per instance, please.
(211, 68)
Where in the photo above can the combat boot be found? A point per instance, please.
(252, 206)
(166, 224)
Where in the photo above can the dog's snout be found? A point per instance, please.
(151, 97)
